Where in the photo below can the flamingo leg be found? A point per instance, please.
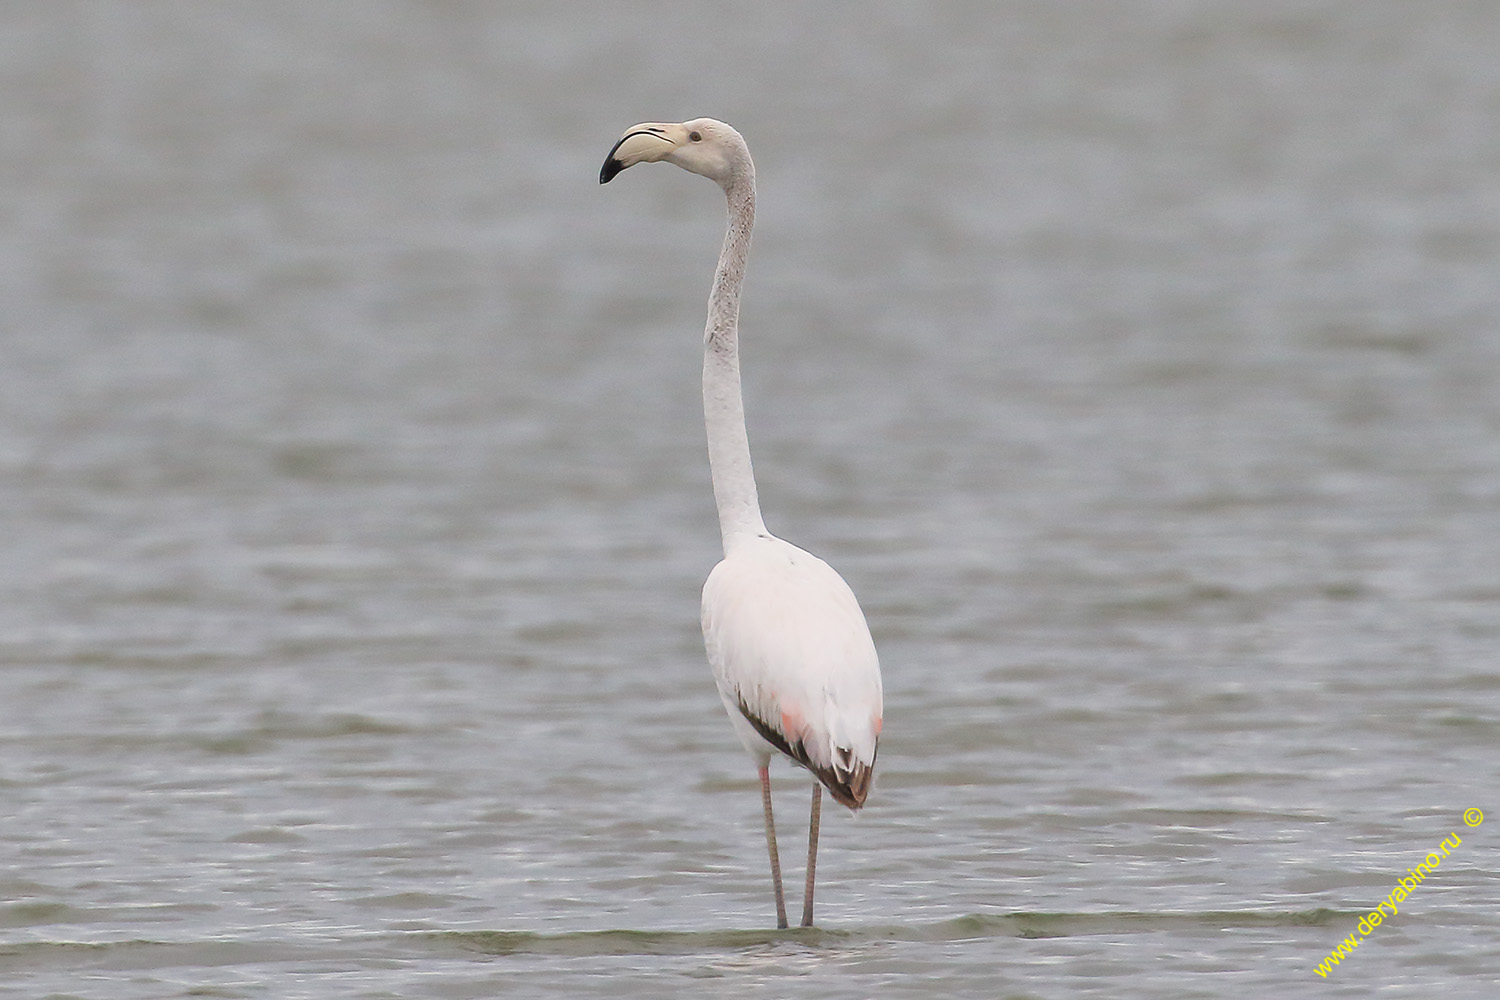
(812, 853)
(765, 798)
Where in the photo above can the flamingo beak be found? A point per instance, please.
(645, 143)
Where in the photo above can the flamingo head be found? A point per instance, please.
(703, 146)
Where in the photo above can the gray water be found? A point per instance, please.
(1137, 363)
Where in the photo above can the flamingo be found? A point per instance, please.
(790, 649)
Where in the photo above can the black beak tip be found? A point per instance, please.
(611, 167)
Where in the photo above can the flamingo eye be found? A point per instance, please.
(696, 136)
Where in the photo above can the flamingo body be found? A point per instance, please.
(789, 646)
(794, 662)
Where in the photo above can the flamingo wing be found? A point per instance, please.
(794, 662)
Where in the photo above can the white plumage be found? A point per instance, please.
(789, 646)
(792, 654)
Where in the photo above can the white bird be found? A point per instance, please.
(790, 649)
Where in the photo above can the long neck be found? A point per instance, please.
(723, 403)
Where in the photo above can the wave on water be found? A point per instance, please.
(973, 926)
(138, 954)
